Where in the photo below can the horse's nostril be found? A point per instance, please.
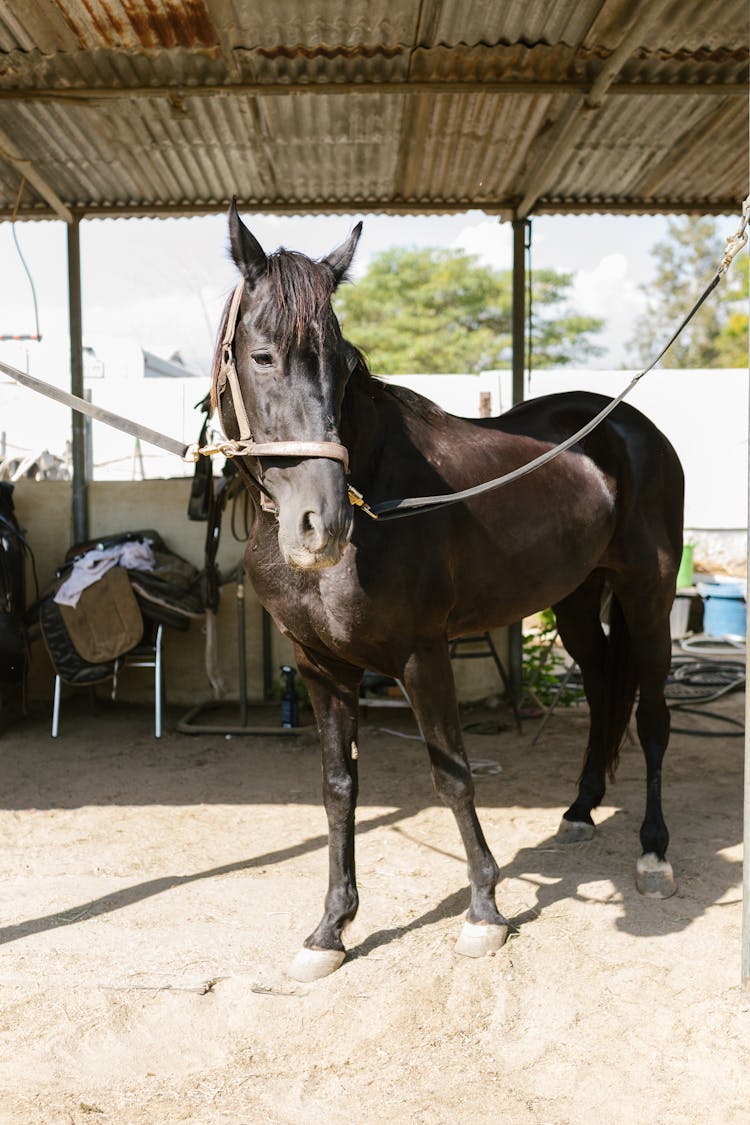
(313, 530)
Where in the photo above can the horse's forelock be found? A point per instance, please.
(300, 291)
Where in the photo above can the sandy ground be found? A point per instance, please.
(154, 893)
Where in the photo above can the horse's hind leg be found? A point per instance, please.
(428, 679)
(333, 688)
(646, 611)
(578, 620)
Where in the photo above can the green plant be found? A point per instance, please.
(544, 665)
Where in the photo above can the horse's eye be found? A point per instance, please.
(263, 359)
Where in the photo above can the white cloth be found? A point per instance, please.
(136, 555)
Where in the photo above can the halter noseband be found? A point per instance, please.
(247, 446)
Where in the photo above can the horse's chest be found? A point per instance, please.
(325, 606)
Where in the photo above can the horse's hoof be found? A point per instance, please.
(312, 964)
(654, 877)
(476, 940)
(574, 831)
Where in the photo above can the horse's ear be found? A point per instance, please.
(247, 252)
(341, 258)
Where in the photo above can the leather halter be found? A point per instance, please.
(247, 446)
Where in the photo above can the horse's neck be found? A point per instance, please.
(360, 423)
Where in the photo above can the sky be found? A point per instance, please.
(162, 282)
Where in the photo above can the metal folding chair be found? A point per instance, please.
(145, 655)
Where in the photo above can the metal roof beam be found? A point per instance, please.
(10, 152)
(501, 208)
(573, 121)
(590, 91)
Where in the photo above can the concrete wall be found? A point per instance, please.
(704, 413)
(44, 509)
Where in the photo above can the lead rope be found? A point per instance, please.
(397, 509)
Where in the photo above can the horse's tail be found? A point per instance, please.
(620, 686)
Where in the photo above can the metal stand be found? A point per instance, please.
(188, 725)
(488, 651)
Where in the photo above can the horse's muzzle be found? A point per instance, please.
(315, 524)
(317, 543)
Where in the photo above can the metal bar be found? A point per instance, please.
(86, 94)
(158, 682)
(515, 631)
(647, 13)
(10, 151)
(519, 308)
(241, 643)
(78, 430)
(501, 208)
(56, 707)
(581, 106)
(745, 955)
(267, 655)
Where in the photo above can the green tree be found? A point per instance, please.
(438, 310)
(686, 260)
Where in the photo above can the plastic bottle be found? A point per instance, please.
(289, 705)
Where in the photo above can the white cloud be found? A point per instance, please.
(490, 240)
(609, 291)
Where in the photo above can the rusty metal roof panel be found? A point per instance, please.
(123, 25)
(685, 27)
(220, 120)
(658, 155)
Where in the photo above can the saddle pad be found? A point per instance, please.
(107, 621)
(65, 660)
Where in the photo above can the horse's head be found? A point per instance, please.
(292, 368)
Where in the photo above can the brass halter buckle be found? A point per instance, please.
(357, 500)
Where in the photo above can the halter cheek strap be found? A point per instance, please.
(247, 446)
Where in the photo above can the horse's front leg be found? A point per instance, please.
(428, 679)
(333, 688)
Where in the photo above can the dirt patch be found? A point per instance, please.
(154, 893)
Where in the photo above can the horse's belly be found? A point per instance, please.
(503, 577)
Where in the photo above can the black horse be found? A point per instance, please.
(355, 594)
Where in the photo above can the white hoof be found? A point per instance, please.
(476, 940)
(574, 831)
(654, 877)
(312, 964)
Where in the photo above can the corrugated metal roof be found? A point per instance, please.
(162, 106)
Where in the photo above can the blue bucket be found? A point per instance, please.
(724, 608)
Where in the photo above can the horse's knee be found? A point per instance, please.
(455, 786)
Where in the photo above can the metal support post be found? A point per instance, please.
(78, 426)
(515, 639)
(745, 971)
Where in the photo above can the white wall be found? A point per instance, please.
(703, 413)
